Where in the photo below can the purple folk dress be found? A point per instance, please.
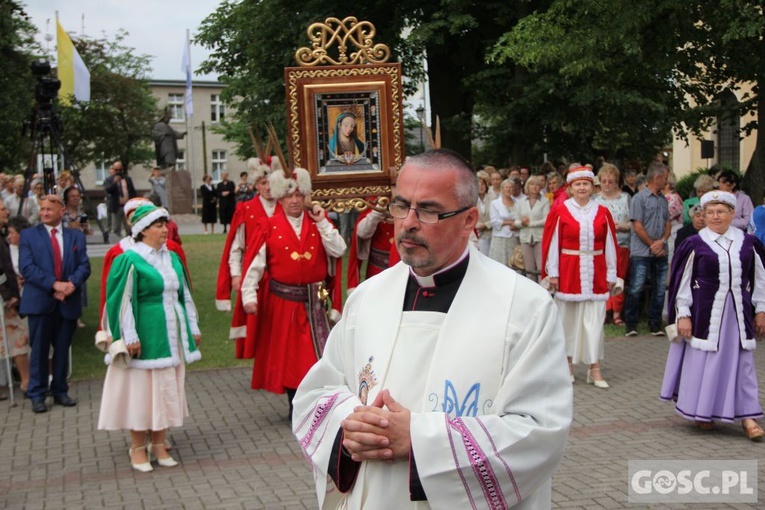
(720, 282)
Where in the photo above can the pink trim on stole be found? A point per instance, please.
(482, 470)
(320, 413)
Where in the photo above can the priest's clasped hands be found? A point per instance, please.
(379, 431)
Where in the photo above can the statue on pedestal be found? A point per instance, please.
(166, 141)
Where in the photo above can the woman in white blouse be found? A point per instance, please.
(483, 226)
(504, 235)
(532, 213)
(617, 202)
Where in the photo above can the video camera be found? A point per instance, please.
(46, 88)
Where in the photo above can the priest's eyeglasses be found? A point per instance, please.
(401, 211)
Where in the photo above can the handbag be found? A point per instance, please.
(516, 259)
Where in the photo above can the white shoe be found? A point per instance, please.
(602, 384)
(144, 467)
(573, 379)
(166, 462)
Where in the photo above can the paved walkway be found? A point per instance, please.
(236, 449)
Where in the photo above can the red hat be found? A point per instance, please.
(580, 172)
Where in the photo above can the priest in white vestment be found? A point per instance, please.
(445, 384)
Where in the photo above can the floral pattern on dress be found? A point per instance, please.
(18, 334)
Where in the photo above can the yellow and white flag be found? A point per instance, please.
(74, 76)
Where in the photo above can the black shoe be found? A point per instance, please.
(64, 400)
(38, 406)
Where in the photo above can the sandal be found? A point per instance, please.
(619, 322)
(753, 431)
(705, 425)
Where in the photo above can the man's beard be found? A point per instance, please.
(411, 259)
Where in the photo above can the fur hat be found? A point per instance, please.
(145, 215)
(258, 168)
(281, 186)
(718, 197)
(132, 204)
(580, 172)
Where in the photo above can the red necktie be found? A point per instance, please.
(56, 254)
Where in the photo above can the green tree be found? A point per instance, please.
(116, 123)
(17, 50)
(631, 71)
(251, 45)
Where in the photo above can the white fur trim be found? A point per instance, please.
(237, 332)
(563, 296)
(132, 204)
(102, 341)
(583, 173)
(143, 223)
(281, 186)
(223, 305)
(718, 197)
(258, 168)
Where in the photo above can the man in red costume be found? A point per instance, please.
(296, 250)
(124, 245)
(249, 217)
(372, 241)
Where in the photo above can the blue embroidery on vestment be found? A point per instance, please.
(468, 406)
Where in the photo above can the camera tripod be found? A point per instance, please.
(45, 135)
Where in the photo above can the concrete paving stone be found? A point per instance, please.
(237, 450)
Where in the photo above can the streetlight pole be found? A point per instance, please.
(421, 115)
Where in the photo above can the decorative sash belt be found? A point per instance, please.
(581, 253)
(314, 296)
(298, 293)
(379, 258)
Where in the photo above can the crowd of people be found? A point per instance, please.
(379, 386)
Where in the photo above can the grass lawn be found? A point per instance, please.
(203, 254)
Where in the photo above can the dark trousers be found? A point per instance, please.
(45, 331)
(641, 270)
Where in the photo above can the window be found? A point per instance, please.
(218, 164)
(728, 143)
(102, 170)
(217, 108)
(175, 104)
(180, 160)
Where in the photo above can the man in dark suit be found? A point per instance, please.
(54, 263)
(119, 187)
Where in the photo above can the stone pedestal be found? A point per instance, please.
(180, 194)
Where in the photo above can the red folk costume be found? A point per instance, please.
(375, 250)
(563, 234)
(579, 248)
(249, 218)
(252, 217)
(289, 339)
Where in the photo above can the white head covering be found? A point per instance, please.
(281, 186)
(718, 197)
(580, 172)
(145, 215)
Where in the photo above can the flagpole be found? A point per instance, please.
(190, 123)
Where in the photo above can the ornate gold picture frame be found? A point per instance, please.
(345, 126)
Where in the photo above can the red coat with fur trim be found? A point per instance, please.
(581, 242)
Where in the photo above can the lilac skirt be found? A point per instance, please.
(713, 386)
